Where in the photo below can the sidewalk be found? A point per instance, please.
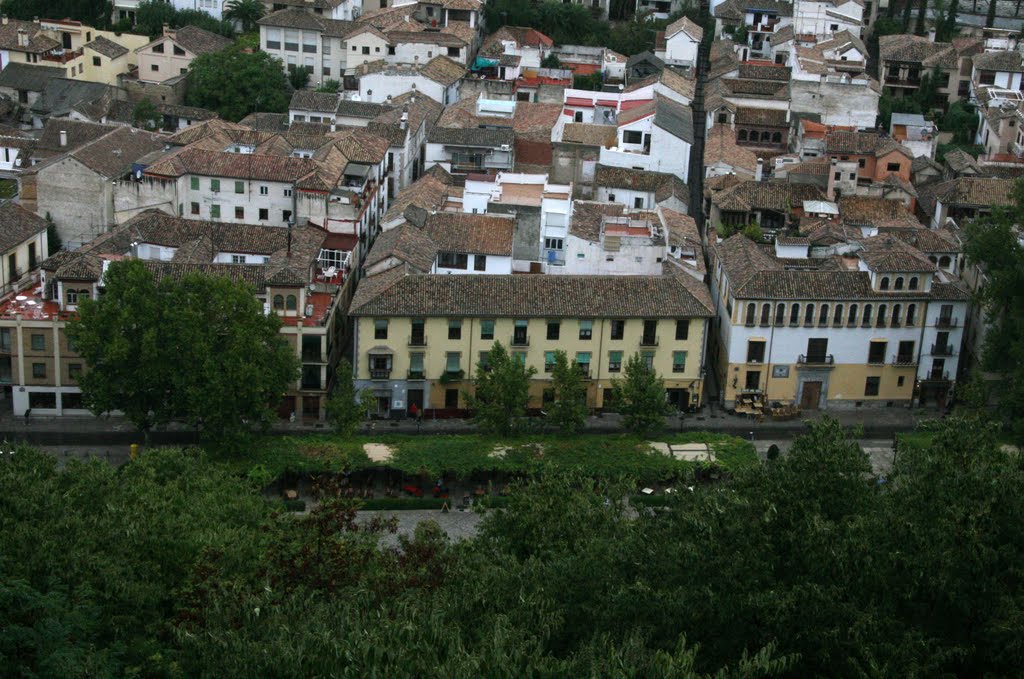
(877, 423)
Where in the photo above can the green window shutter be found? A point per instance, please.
(195, 183)
(678, 361)
(453, 362)
(583, 357)
(239, 187)
(215, 211)
(215, 185)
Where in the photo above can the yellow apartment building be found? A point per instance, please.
(419, 338)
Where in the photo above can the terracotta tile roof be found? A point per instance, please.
(961, 162)
(766, 195)
(236, 165)
(38, 41)
(875, 211)
(79, 133)
(406, 243)
(628, 178)
(471, 233)
(443, 70)
(720, 147)
(537, 296)
(445, 39)
(766, 117)
(216, 128)
(815, 167)
(766, 72)
(359, 109)
(17, 225)
(534, 120)
(473, 136)
(469, 5)
(640, 112)
(28, 77)
(107, 47)
(200, 41)
(113, 154)
(589, 134)
(862, 143)
(917, 49)
(999, 61)
(771, 89)
(682, 229)
(587, 217)
(311, 100)
(684, 24)
(926, 240)
(784, 34)
(975, 191)
(416, 201)
(674, 118)
(889, 254)
(294, 17)
(673, 187)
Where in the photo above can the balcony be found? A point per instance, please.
(583, 371)
(818, 360)
(418, 340)
(520, 341)
(936, 376)
(649, 341)
(904, 361)
(380, 373)
(947, 322)
(452, 376)
(943, 350)
(416, 375)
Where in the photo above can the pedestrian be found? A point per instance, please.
(414, 411)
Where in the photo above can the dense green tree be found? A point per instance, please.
(920, 22)
(145, 115)
(990, 16)
(152, 15)
(235, 83)
(993, 245)
(245, 12)
(501, 392)
(640, 397)
(133, 338)
(95, 13)
(54, 243)
(551, 61)
(329, 86)
(299, 77)
(946, 27)
(344, 409)
(568, 408)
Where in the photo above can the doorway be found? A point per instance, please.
(810, 396)
(415, 399)
(679, 399)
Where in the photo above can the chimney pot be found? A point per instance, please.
(759, 174)
(4, 19)
(63, 138)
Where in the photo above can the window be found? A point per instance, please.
(817, 350)
(238, 259)
(453, 260)
(913, 283)
(898, 285)
(683, 329)
(862, 163)
(678, 361)
(905, 352)
(751, 310)
(484, 360)
(755, 351)
(286, 216)
(455, 329)
(988, 78)
(618, 328)
(852, 318)
(287, 193)
(897, 316)
(366, 50)
(632, 137)
(833, 27)
(264, 214)
(264, 190)
(554, 328)
(74, 371)
(178, 52)
(794, 314)
(154, 67)
(753, 381)
(638, 203)
(96, 61)
(453, 360)
(553, 244)
(809, 314)
(39, 370)
(911, 314)
(647, 357)
(838, 176)
(780, 314)
(876, 352)
(158, 49)
(837, 316)
(380, 329)
(614, 361)
(278, 302)
(452, 52)
(723, 118)
(549, 361)
(391, 50)
(892, 167)
(881, 316)
(519, 330)
(215, 185)
(239, 212)
(215, 211)
(195, 183)
(72, 296)
(586, 329)
(38, 342)
(451, 396)
(239, 187)
(486, 329)
(871, 386)
(416, 364)
(479, 262)
(291, 303)
(866, 317)
(766, 314)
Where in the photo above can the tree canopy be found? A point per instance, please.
(235, 83)
(151, 16)
(501, 392)
(640, 397)
(134, 339)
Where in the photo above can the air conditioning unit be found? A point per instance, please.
(506, 147)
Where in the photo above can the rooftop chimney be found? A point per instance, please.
(404, 121)
(22, 38)
(4, 19)
(63, 138)
(759, 173)
(166, 29)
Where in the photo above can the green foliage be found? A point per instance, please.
(990, 15)
(887, 26)
(329, 86)
(145, 115)
(993, 244)
(962, 120)
(593, 82)
(740, 35)
(299, 77)
(502, 392)
(151, 16)
(946, 29)
(344, 412)
(942, 149)
(133, 337)
(294, 505)
(752, 231)
(568, 410)
(640, 397)
(95, 13)
(245, 12)
(54, 243)
(551, 61)
(235, 83)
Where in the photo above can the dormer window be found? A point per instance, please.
(913, 283)
(884, 284)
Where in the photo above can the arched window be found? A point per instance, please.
(852, 318)
(899, 283)
(913, 283)
(897, 315)
(780, 314)
(751, 310)
(911, 314)
(809, 314)
(777, 138)
(881, 316)
(944, 262)
(292, 303)
(766, 136)
(743, 135)
(932, 259)
(766, 313)
(866, 318)
(884, 285)
(837, 317)
(83, 294)
(823, 315)
(278, 302)
(794, 314)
